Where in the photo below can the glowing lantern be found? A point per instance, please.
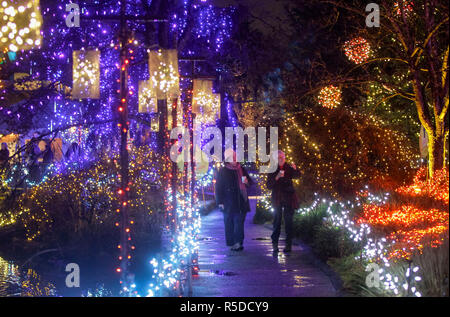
(147, 98)
(86, 74)
(330, 97)
(357, 50)
(20, 25)
(164, 75)
(205, 103)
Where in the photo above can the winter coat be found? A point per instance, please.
(227, 192)
(283, 192)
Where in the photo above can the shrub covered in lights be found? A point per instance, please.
(339, 151)
(80, 206)
(415, 217)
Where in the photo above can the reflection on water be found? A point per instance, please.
(96, 281)
(17, 282)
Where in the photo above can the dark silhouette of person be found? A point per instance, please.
(73, 152)
(4, 154)
(231, 196)
(284, 199)
(47, 157)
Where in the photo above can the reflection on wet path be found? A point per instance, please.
(256, 271)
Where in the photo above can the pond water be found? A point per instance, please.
(95, 281)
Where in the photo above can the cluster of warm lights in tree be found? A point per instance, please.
(342, 151)
(357, 50)
(89, 186)
(330, 96)
(147, 100)
(209, 106)
(406, 7)
(20, 25)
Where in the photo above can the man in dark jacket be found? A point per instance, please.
(231, 196)
(284, 199)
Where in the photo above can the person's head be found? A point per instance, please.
(4, 146)
(230, 156)
(281, 157)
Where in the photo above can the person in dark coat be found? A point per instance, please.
(231, 196)
(284, 199)
(4, 154)
(47, 157)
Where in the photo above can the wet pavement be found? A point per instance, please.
(256, 271)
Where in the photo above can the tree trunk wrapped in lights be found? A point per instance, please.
(86, 74)
(164, 75)
(20, 26)
(205, 103)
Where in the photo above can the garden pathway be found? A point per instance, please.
(256, 271)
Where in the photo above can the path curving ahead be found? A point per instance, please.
(256, 271)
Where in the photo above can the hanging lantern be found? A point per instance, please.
(164, 75)
(205, 103)
(330, 97)
(86, 74)
(147, 98)
(357, 50)
(20, 25)
(154, 123)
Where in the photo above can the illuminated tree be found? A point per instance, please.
(413, 45)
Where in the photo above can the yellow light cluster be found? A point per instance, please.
(86, 74)
(341, 159)
(20, 25)
(94, 187)
(164, 75)
(209, 107)
(330, 96)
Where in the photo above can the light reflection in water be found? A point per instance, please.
(17, 282)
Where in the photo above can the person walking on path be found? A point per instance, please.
(231, 196)
(4, 155)
(284, 199)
